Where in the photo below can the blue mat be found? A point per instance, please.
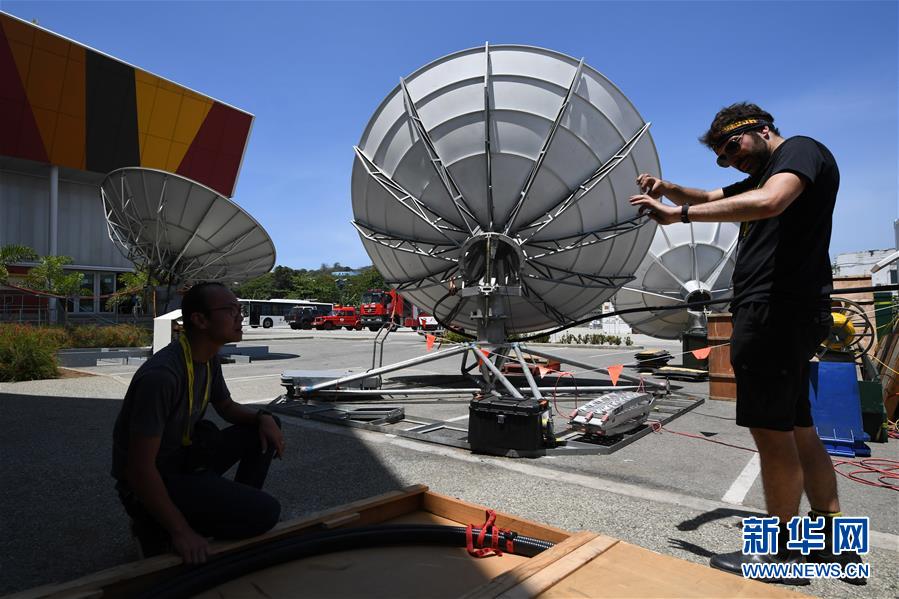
(836, 409)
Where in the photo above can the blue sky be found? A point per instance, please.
(312, 73)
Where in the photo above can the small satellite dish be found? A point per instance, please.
(687, 262)
(491, 187)
(182, 231)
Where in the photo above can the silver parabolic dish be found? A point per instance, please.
(685, 263)
(182, 230)
(524, 142)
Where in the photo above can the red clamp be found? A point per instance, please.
(495, 531)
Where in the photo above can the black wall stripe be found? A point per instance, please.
(111, 106)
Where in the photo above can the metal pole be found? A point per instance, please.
(527, 372)
(390, 368)
(53, 232)
(627, 377)
(466, 390)
(496, 373)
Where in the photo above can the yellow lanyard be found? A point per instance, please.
(188, 360)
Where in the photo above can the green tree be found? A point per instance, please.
(282, 281)
(262, 287)
(368, 278)
(49, 276)
(10, 254)
(139, 283)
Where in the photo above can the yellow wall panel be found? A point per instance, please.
(68, 144)
(193, 113)
(73, 94)
(48, 71)
(18, 31)
(145, 77)
(146, 97)
(176, 153)
(165, 113)
(171, 87)
(51, 43)
(145, 88)
(154, 152)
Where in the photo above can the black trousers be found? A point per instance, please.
(213, 505)
(771, 346)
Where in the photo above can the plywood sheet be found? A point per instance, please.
(626, 570)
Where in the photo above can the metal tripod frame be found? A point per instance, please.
(489, 359)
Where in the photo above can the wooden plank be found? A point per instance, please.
(134, 575)
(470, 513)
(558, 570)
(514, 577)
(626, 570)
(866, 299)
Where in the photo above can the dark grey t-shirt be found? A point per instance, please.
(156, 406)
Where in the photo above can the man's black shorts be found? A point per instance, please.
(770, 349)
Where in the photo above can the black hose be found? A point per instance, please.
(222, 569)
(447, 326)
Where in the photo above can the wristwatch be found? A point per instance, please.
(684, 217)
(260, 414)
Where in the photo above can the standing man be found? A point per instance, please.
(168, 462)
(781, 307)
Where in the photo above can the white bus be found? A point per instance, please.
(272, 313)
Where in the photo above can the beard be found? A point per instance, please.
(759, 154)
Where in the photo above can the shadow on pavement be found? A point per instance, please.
(717, 514)
(62, 518)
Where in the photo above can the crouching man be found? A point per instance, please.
(168, 461)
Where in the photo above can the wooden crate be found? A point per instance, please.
(722, 383)
(580, 564)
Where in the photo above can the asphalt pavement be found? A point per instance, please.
(670, 493)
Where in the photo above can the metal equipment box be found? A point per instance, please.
(497, 425)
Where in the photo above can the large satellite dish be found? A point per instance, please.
(182, 231)
(686, 263)
(491, 186)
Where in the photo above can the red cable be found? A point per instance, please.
(556, 387)
(889, 470)
(869, 467)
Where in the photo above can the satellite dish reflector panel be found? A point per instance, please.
(686, 262)
(182, 229)
(526, 143)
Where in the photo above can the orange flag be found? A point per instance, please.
(543, 370)
(430, 339)
(486, 353)
(702, 354)
(615, 372)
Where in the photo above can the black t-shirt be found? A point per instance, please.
(785, 259)
(156, 406)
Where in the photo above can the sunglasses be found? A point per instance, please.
(730, 148)
(233, 310)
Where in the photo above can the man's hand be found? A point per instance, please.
(192, 548)
(270, 433)
(652, 186)
(656, 210)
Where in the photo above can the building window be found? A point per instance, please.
(107, 288)
(88, 294)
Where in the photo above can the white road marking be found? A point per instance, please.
(737, 491)
(457, 418)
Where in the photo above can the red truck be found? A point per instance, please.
(380, 307)
(341, 316)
